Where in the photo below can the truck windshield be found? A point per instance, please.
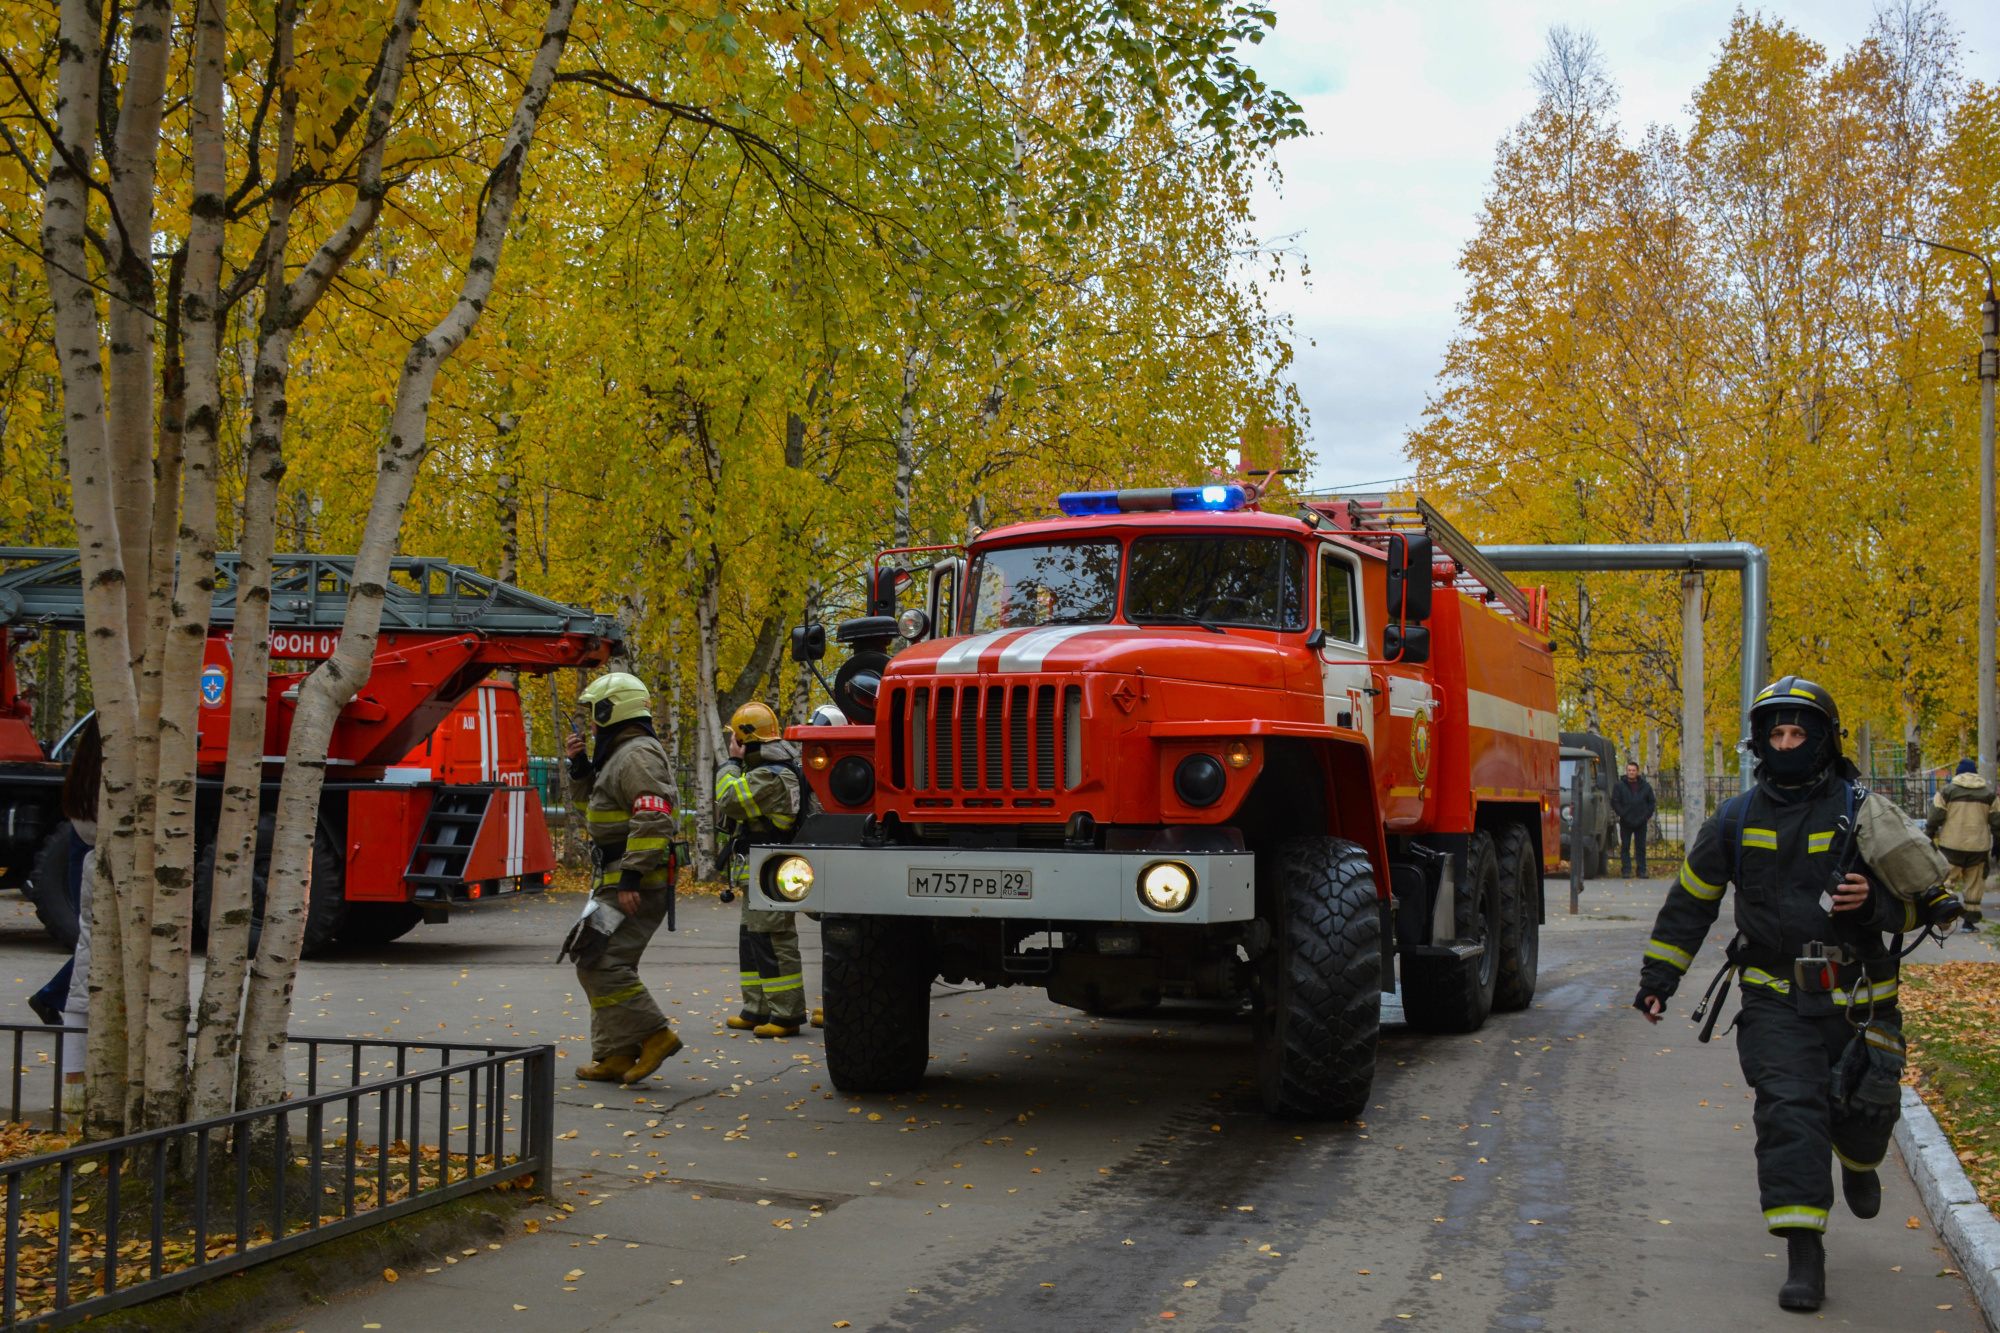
(1253, 581)
(1063, 583)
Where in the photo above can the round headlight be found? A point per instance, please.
(913, 624)
(817, 757)
(1237, 753)
(1166, 886)
(793, 878)
(852, 781)
(1199, 780)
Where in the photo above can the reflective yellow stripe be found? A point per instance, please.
(1909, 916)
(1813, 1219)
(1757, 976)
(784, 821)
(1678, 959)
(1880, 990)
(647, 844)
(1851, 1164)
(796, 981)
(738, 787)
(606, 816)
(654, 879)
(1698, 886)
(1767, 838)
(749, 978)
(619, 996)
(1819, 842)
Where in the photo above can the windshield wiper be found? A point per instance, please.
(1181, 618)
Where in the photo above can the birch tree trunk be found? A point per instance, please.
(201, 315)
(130, 316)
(73, 325)
(333, 684)
(707, 617)
(286, 306)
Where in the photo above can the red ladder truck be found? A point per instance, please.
(1170, 746)
(427, 807)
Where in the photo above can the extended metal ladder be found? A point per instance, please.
(44, 587)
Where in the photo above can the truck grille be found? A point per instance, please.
(976, 738)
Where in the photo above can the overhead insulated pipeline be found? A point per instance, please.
(1749, 560)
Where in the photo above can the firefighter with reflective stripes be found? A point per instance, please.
(625, 792)
(758, 796)
(1813, 969)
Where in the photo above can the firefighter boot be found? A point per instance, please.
(1863, 1191)
(658, 1047)
(1805, 1285)
(819, 1018)
(611, 1069)
(743, 1022)
(775, 1028)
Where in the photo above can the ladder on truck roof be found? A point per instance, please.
(1473, 574)
(42, 586)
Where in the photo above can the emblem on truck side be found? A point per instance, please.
(214, 680)
(1420, 743)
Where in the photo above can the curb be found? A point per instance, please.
(1967, 1227)
(273, 1294)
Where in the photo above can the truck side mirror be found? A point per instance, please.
(1409, 585)
(1408, 644)
(887, 581)
(808, 642)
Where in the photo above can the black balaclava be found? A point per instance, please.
(608, 736)
(1801, 765)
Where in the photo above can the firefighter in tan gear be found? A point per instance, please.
(1962, 821)
(625, 793)
(759, 796)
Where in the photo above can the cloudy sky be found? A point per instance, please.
(1405, 103)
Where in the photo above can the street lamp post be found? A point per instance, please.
(1989, 371)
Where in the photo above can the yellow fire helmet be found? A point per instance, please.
(755, 721)
(617, 697)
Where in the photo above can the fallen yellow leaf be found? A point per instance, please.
(388, 1275)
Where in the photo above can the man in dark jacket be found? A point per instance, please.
(1632, 801)
(1814, 971)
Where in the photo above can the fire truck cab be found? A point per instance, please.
(1170, 746)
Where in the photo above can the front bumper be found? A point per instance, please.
(1067, 885)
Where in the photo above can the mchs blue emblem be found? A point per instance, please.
(213, 681)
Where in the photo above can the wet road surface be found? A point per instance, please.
(1565, 1168)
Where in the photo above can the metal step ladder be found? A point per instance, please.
(437, 862)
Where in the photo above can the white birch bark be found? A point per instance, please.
(286, 306)
(130, 317)
(323, 694)
(166, 1047)
(74, 327)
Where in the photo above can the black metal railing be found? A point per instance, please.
(103, 1225)
(24, 1075)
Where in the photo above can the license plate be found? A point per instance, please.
(971, 883)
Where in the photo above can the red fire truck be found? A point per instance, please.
(1171, 746)
(427, 806)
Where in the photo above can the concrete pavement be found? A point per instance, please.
(1565, 1168)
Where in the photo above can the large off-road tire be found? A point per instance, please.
(48, 887)
(326, 906)
(370, 925)
(1442, 993)
(1319, 985)
(877, 975)
(1520, 920)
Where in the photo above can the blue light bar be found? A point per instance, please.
(1213, 498)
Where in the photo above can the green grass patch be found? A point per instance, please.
(1951, 1016)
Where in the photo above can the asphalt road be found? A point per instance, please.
(1059, 1170)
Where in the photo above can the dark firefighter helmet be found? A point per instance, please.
(1794, 692)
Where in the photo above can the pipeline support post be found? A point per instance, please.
(1989, 371)
(1694, 756)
